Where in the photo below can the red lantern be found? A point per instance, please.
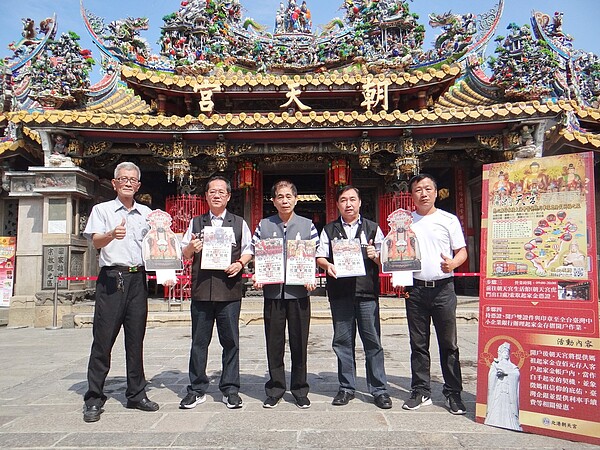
(246, 175)
(339, 172)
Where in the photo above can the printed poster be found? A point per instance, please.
(400, 248)
(8, 246)
(268, 261)
(161, 248)
(217, 244)
(348, 258)
(539, 340)
(300, 262)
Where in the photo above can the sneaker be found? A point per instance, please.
(233, 400)
(416, 400)
(191, 400)
(455, 404)
(303, 402)
(271, 402)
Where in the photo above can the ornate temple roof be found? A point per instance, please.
(218, 76)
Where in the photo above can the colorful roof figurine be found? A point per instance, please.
(204, 34)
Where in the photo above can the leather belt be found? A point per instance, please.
(432, 283)
(129, 269)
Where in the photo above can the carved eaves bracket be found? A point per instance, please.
(406, 146)
(499, 142)
(95, 149)
(220, 151)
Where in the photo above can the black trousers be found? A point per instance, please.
(296, 314)
(437, 305)
(115, 308)
(204, 315)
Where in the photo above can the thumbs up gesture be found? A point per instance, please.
(119, 232)
(447, 264)
(371, 252)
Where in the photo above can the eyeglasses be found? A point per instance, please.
(220, 193)
(124, 180)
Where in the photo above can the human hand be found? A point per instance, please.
(120, 231)
(311, 286)
(196, 243)
(447, 263)
(371, 251)
(255, 284)
(234, 268)
(331, 271)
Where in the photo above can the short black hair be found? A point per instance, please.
(283, 183)
(419, 177)
(218, 178)
(346, 188)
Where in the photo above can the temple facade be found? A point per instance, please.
(360, 101)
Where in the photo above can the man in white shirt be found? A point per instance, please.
(432, 297)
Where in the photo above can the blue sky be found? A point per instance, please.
(580, 16)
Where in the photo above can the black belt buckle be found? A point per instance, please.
(133, 269)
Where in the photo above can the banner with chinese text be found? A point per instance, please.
(8, 246)
(539, 341)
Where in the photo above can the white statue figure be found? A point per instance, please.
(503, 392)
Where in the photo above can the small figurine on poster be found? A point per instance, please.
(160, 247)
(400, 249)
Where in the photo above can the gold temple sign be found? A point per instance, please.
(293, 97)
(375, 93)
(206, 103)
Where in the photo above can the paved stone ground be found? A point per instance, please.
(44, 378)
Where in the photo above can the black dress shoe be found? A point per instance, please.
(383, 401)
(143, 405)
(91, 413)
(342, 398)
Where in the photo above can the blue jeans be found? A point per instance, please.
(423, 306)
(204, 315)
(348, 315)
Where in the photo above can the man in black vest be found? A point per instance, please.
(216, 296)
(354, 300)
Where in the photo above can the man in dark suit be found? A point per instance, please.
(354, 300)
(216, 297)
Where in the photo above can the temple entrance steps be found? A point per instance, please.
(161, 314)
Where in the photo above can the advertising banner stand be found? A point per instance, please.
(539, 340)
(8, 246)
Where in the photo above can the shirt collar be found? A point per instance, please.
(221, 217)
(346, 224)
(119, 205)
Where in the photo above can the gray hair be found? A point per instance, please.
(127, 165)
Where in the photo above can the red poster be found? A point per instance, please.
(539, 340)
(8, 246)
